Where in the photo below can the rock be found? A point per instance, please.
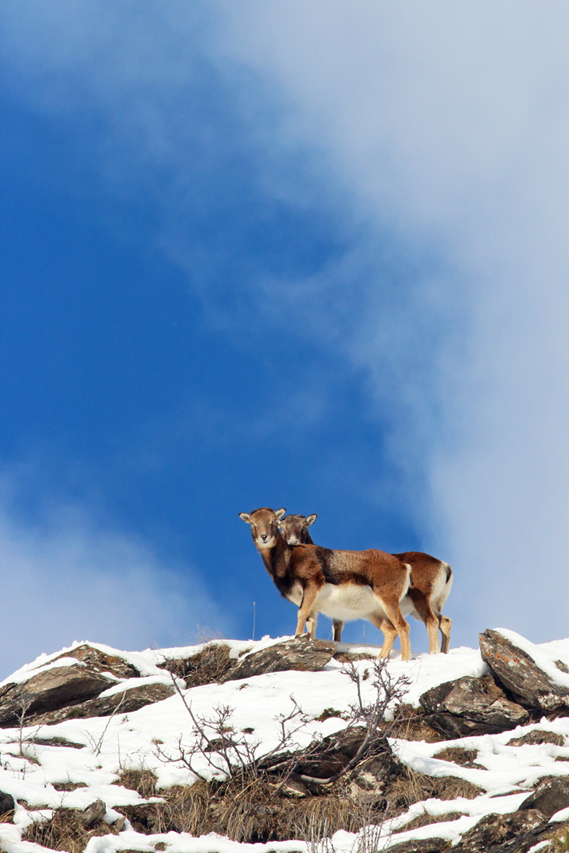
(53, 688)
(550, 796)
(510, 833)
(148, 818)
(122, 702)
(371, 778)
(7, 804)
(93, 814)
(518, 673)
(471, 706)
(100, 661)
(324, 759)
(332, 754)
(303, 655)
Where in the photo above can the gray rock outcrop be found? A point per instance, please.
(301, 654)
(471, 706)
(519, 674)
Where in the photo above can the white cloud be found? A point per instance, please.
(68, 577)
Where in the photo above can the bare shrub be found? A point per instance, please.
(226, 752)
(248, 798)
(371, 716)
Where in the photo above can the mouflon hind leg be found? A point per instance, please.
(445, 625)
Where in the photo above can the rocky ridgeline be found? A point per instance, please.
(72, 690)
(515, 691)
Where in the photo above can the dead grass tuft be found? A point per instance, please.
(207, 667)
(458, 755)
(246, 810)
(561, 841)
(142, 781)
(255, 814)
(68, 786)
(537, 736)
(65, 831)
(412, 787)
(184, 808)
(426, 819)
(328, 713)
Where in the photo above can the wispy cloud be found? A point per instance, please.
(450, 124)
(68, 576)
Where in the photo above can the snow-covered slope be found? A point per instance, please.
(72, 764)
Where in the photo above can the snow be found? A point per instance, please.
(105, 746)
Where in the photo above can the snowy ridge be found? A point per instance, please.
(90, 755)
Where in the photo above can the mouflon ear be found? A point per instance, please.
(310, 519)
(244, 516)
(279, 514)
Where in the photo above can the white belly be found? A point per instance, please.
(347, 602)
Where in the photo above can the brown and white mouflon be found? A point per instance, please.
(343, 585)
(431, 584)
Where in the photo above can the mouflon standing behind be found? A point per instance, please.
(343, 585)
(431, 582)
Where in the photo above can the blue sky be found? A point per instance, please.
(285, 254)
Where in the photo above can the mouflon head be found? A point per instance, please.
(294, 528)
(264, 525)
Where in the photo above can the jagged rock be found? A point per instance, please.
(53, 688)
(324, 760)
(333, 753)
(300, 654)
(372, 777)
(93, 814)
(100, 661)
(471, 706)
(123, 702)
(550, 796)
(146, 818)
(509, 833)
(6, 803)
(518, 673)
